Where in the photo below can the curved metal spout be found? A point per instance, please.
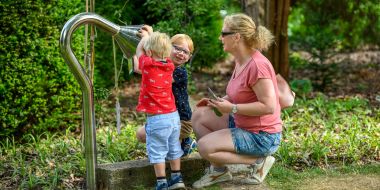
(127, 40)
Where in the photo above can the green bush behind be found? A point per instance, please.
(37, 91)
(121, 13)
(200, 19)
(324, 29)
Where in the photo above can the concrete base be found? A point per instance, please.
(139, 174)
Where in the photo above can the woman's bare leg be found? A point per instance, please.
(204, 121)
(218, 148)
(215, 140)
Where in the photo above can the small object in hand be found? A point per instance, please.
(212, 94)
(214, 97)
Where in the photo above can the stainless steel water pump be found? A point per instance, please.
(127, 39)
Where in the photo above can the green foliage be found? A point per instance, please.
(296, 61)
(122, 13)
(201, 20)
(115, 147)
(45, 160)
(323, 130)
(36, 87)
(301, 87)
(322, 28)
(56, 161)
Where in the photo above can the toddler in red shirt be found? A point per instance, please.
(156, 99)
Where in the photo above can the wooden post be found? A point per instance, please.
(274, 16)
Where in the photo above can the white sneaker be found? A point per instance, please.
(212, 177)
(259, 171)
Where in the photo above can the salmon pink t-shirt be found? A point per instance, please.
(239, 91)
(156, 96)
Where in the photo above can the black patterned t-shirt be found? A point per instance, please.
(181, 96)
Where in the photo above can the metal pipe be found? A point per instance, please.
(127, 40)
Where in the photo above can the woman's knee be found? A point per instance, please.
(201, 148)
(200, 117)
(204, 148)
(196, 115)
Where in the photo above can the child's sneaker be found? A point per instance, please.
(259, 171)
(188, 145)
(212, 177)
(176, 183)
(162, 186)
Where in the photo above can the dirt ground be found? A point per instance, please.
(346, 182)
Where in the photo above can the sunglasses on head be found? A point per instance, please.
(226, 33)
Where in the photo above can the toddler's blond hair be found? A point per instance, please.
(159, 43)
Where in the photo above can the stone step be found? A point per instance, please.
(139, 174)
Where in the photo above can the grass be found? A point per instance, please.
(320, 135)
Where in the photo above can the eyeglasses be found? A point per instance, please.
(180, 50)
(226, 33)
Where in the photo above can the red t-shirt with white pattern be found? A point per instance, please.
(156, 96)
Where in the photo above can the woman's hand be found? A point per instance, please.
(202, 102)
(221, 104)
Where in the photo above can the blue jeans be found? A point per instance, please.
(248, 143)
(162, 134)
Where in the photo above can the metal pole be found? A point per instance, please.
(127, 40)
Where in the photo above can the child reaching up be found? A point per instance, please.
(181, 53)
(157, 101)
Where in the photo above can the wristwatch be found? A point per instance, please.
(234, 108)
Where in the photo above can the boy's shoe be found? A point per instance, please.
(188, 145)
(176, 183)
(259, 171)
(162, 186)
(212, 177)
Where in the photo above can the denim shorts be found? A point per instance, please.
(162, 134)
(248, 143)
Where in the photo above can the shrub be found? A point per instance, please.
(323, 29)
(121, 13)
(201, 20)
(37, 91)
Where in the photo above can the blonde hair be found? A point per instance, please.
(254, 37)
(181, 38)
(159, 44)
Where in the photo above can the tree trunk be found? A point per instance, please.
(274, 16)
